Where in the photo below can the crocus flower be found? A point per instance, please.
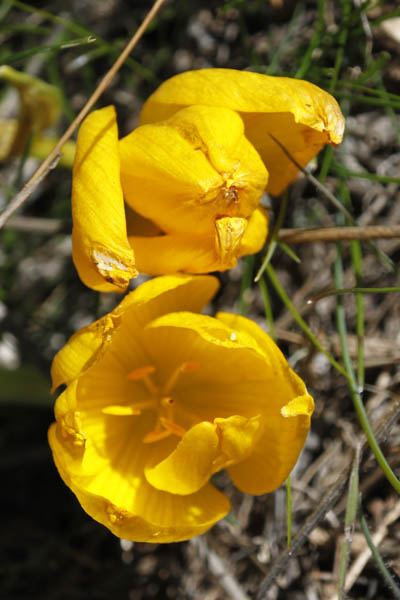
(193, 182)
(158, 398)
(192, 174)
(40, 108)
(299, 114)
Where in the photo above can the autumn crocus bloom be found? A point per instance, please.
(301, 116)
(158, 398)
(194, 183)
(193, 173)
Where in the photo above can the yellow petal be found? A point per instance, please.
(255, 233)
(138, 225)
(8, 133)
(69, 425)
(201, 339)
(80, 351)
(171, 253)
(100, 248)
(264, 342)
(287, 411)
(152, 299)
(205, 449)
(40, 102)
(165, 254)
(229, 234)
(210, 330)
(119, 497)
(185, 172)
(275, 454)
(172, 293)
(299, 114)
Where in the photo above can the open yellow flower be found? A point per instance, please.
(158, 398)
(192, 174)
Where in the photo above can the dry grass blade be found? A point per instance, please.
(338, 234)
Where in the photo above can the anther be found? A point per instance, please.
(121, 411)
(142, 374)
(156, 436)
(186, 367)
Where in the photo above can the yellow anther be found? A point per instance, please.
(141, 372)
(121, 411)
(156, 436)
(189, 367)
(186, 367)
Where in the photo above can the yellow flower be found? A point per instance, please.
(158, 398)
(193, 182)
(192, 174)
(40, 108)
(297, 113)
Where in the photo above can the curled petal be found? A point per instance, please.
(276, 452)
(299, 114)
(205, 449)
(255, 234)
(172, 253)
(185, 172)
(100, 248)
(80, 351)
(118, 495)
(229, 234)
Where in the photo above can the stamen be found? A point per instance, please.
(186, 367)
(142, 374)
(121, 411)
(156, 436)
(172, 427)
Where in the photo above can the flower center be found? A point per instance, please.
(160, 398)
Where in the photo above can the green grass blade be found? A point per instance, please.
(394, 588)
(290, 252)
(267, 307)
(9, 59)
(273, 240)
(289, 512)
(300, 321)
(356, 397)
(245, 284)
(349, 522)
(371, 176)
(315, 40)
